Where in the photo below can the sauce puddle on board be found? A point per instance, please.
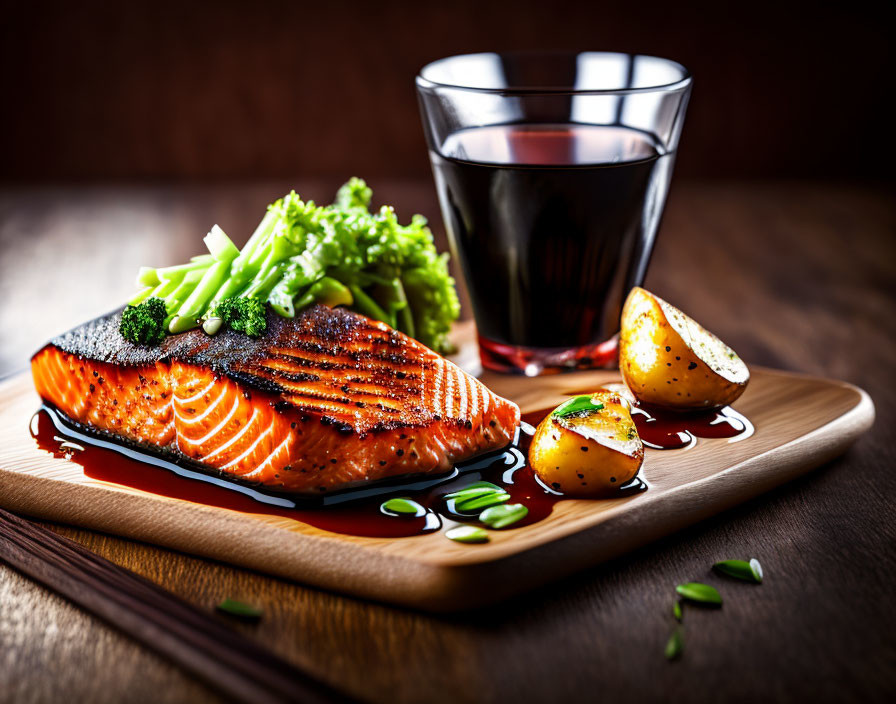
(357, 511)
(662, 430)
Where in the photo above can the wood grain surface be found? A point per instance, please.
(793, 275)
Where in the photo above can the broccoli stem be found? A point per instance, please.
(261, 235)
(241, 273)
(264, 280)
(231, 288)
(282, 249)
(262, 253)
(332, 292)
(391, 297)
(262, 286)
(406, 314)
(169, 272)
(174, 300)
(160, 291)
(282, 304)
(167, 287)
(367, 306)
(182, 323)
(220, 246)
(301, 271)
(143, 294)
(301, 253)
(283, 294)
(275, 252)
(328, 291)
(243, 270)
(406, 321)
(147, 276)
(198, 300)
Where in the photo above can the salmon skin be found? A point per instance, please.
(324, 401)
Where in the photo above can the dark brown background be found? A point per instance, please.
(237, 90)
(772, 238)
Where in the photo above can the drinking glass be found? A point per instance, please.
(552, 171)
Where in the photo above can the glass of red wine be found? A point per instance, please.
(552, 170)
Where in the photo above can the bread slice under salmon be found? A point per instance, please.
(323, 401)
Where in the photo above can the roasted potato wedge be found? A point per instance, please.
(667, 359)
(587, 446)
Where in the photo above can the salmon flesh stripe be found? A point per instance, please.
(323, 401)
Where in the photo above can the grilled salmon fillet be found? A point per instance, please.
(323, 401)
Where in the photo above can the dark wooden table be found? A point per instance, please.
(793, 275)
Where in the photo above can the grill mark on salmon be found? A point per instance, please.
(324, 401)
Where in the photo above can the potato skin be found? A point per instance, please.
(660, 367)
(596, 463)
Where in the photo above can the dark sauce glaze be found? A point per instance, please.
(357, 511)
(352, 512)
(664, 430)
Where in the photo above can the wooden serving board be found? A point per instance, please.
(800, 423)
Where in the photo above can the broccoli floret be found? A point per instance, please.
(247, 315)
(354, 194)
(144, 324)
(301, 254)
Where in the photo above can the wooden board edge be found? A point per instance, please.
(237, 538)
(394, 579)
(476, 585)
(850, 424)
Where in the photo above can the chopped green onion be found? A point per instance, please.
(240, 609)
(700, 593)
(674, 646)
(477, 503)
(504, 515)
(402, 507)
(757, 569)
(476, 497)
(467, 534)
(741, 569)
(577, 404)
(477, 489)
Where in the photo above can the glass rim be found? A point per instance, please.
(427, 84)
